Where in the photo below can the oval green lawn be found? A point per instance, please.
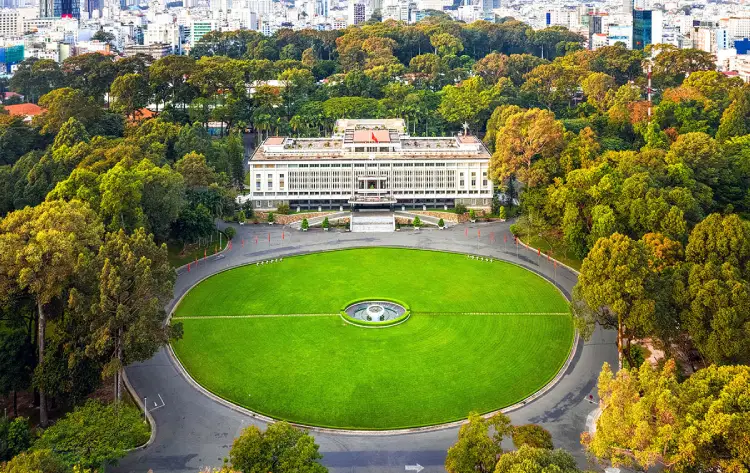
(318, 370)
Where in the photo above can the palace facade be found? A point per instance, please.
(370, 164)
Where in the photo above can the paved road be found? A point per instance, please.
(194, 431)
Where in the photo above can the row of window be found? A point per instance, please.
(443, 179)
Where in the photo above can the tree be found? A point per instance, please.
(446, 44)
(95, 435)
(280, 449)
(528, 459)
(129, 92)
(42, 250)
(195, 171)
(475, 449)
(16, 363)
(612, 287)
(305, 225)
(326, 224)
(35, 77)
(193, 224)
(466, 102)
(649, 418)
(241, 217)
(270, 218)
(526, 137)
(532, 435)
(36, 461)
(135, 283)
(734, 120)
(15, 437)
(63, 104)
(417, 222)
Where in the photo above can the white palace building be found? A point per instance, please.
(370, 164)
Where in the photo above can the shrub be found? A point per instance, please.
(532, 435)
(305, 224)
(44, 460)
(472, 214)
(230, 232)
(460, 209)
(270, 217)
(398, 226)
(326, 224)
(95, 434)
(15, 437)
(441, 223)
(495, 204)
(417, 222)
(502, 213)
(241, 217)
(283, 209)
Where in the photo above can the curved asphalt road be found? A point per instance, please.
(194, 431)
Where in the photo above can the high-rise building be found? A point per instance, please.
(595, 27)
(627, 6)
(647, 28)
(46, 8)
(356, 13)
(489, 5)
(59, 9)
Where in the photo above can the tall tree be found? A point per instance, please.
(42, 249)
(135, 283)
(528, 459)
(612, 286)
(526, 137)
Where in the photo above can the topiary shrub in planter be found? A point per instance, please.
(398, 226)
(502, 213)
(305, 225)
(241, 217)
(417, 222)
(325, 224)
(270, 218)
(441, 224)
(472, 216)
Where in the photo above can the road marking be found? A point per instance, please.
(416, 467)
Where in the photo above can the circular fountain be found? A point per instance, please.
(378, 312)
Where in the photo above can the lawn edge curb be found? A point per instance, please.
(403, 431)
(143, 407)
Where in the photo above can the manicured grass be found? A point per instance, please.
(320, 283)
(318, 370)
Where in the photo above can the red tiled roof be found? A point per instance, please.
(24, 110)
(275, 140)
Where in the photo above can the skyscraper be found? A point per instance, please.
(647, 28)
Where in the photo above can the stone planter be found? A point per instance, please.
(473, 221)
(325, 229)
(441, 228)
(304, 229)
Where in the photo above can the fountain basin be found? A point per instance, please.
(375, 312)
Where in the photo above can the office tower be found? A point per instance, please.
(356, 13)
(647, 28)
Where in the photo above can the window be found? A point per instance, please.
(473, 179)
(462, 182)
(484, 179)
(257, 182)
(270, 181)
(281, 182)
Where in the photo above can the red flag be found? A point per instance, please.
(555, 263)
(505, 238)
(243, 242)
(196, 261)
(479, 233)
(375, 138)
(256, 239)
(230, 244)
(548, 257)
(269, 237)
(188, 267)
(282, 235)
(466, 231)
(539, 252)
(204, 252)
(515, 240)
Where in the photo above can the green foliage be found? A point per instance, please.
(536, 460)
(532, 435)
(460, 209)
(472, 215)
(650, 418)
(478, 445)
(326, 224)
(37, 461)
(230, 232)
(305, 224)
(280, 449)
(241, 218)
(417, 222)
(283, 209)
(15, 437)
(270, 217)
(95, 435)
(502, 213)
(441, 223)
